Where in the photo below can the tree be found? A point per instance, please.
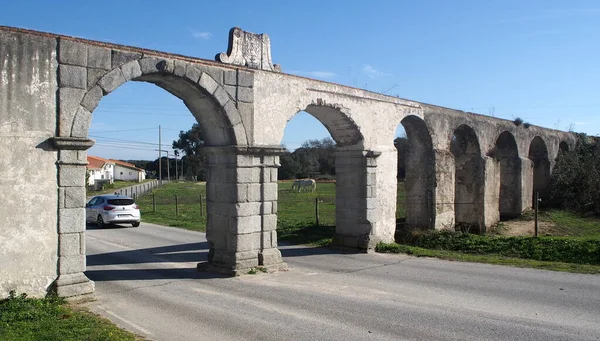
(313, 158)
(575, 181)
(401, 144)
(190, 143)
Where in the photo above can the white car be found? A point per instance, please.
(112, 209)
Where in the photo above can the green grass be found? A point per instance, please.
(486, 258)
(50, 318)
(188, 214)
(297, 224)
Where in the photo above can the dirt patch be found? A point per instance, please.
(525, 228)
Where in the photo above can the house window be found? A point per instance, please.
(102, 176)
(121, 173)
(129, 173)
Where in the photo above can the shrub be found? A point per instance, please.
(518, 121)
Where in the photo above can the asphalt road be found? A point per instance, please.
(146, 281)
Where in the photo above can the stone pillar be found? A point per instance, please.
(241, 203)
(491, 194)
(72, 162)
(365, 198)
(527, 183)
(443, 192)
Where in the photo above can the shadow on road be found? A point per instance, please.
(181, 253)
(149, 274)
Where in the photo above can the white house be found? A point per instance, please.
(99, 170)
(127, 171)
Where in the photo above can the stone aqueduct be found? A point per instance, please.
(462, 168)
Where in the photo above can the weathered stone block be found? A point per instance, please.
(266, 207)
(274, 205)
(214, 72)
(231, 90)
(131, 70)
(245, 79)
(274, 238)
(246, 224)
(69, 156)
(122, 57)
(269, 222)
(253, 192)
(247, 175)
(247, 209)
(71, 176)
(193, 74)
(230, 77)
(71, 264)
(72, 53)
(76, 284)
(240, 133)
(68, 104)
(69, 244)
(270, 257)
(112, 80)
(245, 95)
(208, 83)
(180, 67)
(81, 123)
(150, 65)
(270, 191)
(72, 76)
(232, 113)
(99, 57)
(244, 242)
(222, 96)
(74, 197)
(92, 98)
(71, 220)
(93, 76)
(273, 173)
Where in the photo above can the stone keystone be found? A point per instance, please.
(248, 49)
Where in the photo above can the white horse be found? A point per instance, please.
(304, 183)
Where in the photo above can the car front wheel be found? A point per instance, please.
(100, 221)
(136, 224)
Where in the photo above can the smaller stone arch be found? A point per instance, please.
(342, 128)
(563, 146)
(420, 174)
(468, 179)
(507, 154)
(538, 154)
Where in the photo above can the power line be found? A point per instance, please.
(118, 131)
(109, 139)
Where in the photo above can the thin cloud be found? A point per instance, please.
(201, 35)
(315, 74)
(373, 73)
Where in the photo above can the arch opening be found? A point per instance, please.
(468, 179)
(507, 155)
(538, 153)
(325, 146)
(416, 175)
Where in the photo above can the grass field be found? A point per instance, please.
(297, 223)
(52, 319)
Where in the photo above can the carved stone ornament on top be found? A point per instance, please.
(248, 49)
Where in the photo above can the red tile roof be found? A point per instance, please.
(125, 164)
(95, 162)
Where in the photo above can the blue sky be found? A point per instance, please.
(537, 60)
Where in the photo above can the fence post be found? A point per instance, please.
(176, 206)
(317, 211)
(201, 208)
(153, 203)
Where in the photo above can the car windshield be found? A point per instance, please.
(120, 202)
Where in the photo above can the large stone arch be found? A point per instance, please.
(215, 96)
(207, 99)
(469, 179)
(507, 154)
(538, 154)
(420, 174)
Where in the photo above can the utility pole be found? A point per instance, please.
(159, 157)
(182, 170)
(168, 166)
(175, 166)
